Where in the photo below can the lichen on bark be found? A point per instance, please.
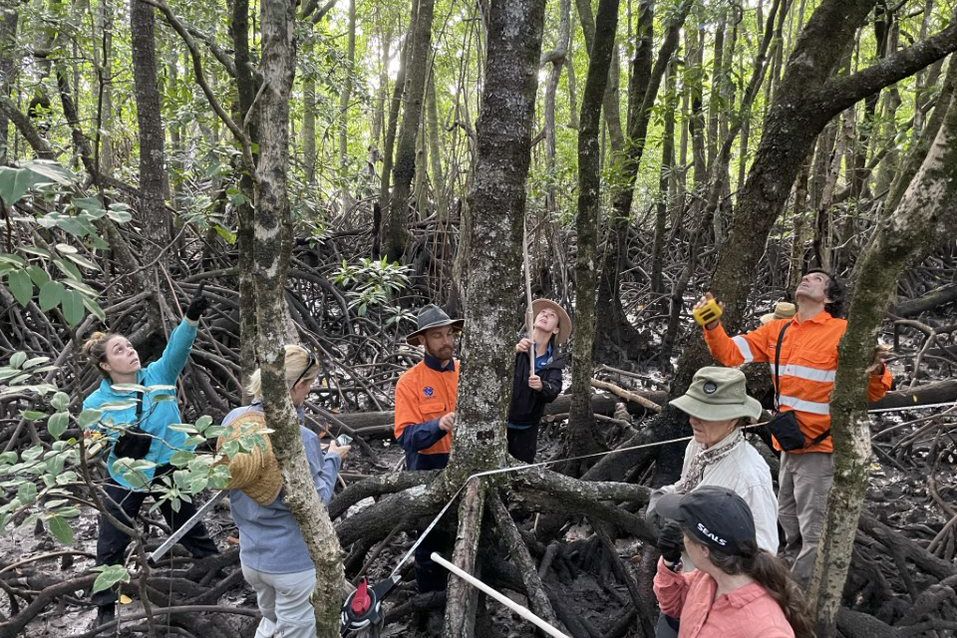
(928, 207)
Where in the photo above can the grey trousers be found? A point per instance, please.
(804, 483)
(284, 602)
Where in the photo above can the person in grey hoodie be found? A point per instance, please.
(272, 551)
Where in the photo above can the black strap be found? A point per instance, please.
(777, 367)
(777, 386)
(139, 407)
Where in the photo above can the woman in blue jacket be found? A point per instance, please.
(532, 390)
(272, 551)
(153, 411)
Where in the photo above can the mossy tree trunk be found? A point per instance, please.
(493, 282)
(580, 435)
(647, 72)
(928, 208)
(152, 178)
(273, 242)
(246, 86)
(395, 226)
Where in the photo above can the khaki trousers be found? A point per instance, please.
(284, 600)
(804, 483)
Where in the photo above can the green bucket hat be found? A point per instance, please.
(718, 394)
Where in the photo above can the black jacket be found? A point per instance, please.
(527, 404)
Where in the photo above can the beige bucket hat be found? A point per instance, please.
(718, 394)
(782, 310)
(255, 472)
(564, 321)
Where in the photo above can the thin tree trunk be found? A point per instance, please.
(378, 116)
(717, 82)
(558, 58)
(103, 56)
(887, 168)
(309, 119)
(390, 131)
(927, 209)
(572, 88)
(580, 435)
(245, 235)
(8, 43)
(796, 262)
(395, 230)
(273, 245)
(434, 138)
(345, 97)
(153, 184)
(694, 76)
(666, 178)
(610, 98)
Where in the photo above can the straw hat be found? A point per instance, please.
(256, 472)
(564, 321)
(782, 310)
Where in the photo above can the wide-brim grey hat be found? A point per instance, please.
(431, 316)
(718, 394)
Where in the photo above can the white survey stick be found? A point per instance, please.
(524, 612)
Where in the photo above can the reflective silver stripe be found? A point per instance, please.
(809, 374)
(806, 406)
(743, 348)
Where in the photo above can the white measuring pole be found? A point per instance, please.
(524, 612)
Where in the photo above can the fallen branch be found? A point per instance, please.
(626, 395)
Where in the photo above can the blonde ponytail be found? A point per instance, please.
(296, 361)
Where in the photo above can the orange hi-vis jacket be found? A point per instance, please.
(424, 394)
(808, 367)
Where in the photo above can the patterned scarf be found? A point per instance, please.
(705, 458)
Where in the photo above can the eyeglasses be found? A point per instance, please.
(309, 363)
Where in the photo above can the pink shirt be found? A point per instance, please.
(747, 612)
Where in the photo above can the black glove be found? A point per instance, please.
(671, 541)
(198, 305)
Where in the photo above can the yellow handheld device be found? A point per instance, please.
(707, 313)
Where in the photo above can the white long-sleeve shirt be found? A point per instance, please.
(748, 475)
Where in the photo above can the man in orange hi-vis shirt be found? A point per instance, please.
(425, 399)
(808, 366)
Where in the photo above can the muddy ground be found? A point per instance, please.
(897, 496)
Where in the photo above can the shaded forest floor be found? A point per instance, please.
(901, 494)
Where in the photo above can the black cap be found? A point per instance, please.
(715, 516)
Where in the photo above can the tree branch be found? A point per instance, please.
(377, 486)
(184, 33)
(214, 48)
(27, 129)
(840, 93)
